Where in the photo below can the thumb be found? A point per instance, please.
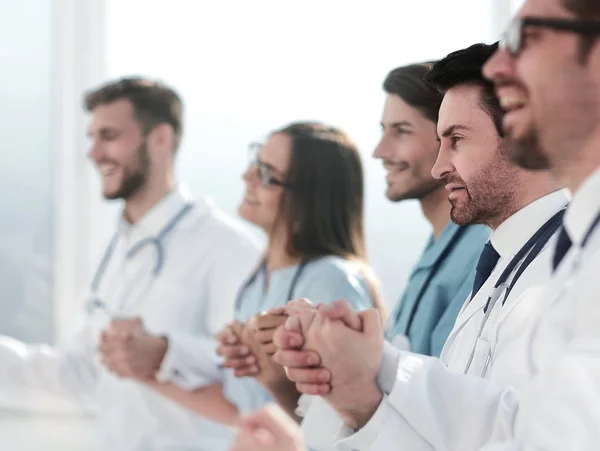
(371, 322)
(237, 327)
(127, 324)
(343, 311)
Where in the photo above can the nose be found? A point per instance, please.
(499, 66)
(382, 149)
(250, 175)
(95, 153)
(443, 165)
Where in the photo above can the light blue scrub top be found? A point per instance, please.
(447, 291)
(324, 280)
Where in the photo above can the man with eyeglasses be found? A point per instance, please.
(547, 77)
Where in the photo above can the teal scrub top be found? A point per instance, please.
(427, 321)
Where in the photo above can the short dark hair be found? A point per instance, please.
(408, 83)
(465, 67)
(153, 102)
(589, 9)
(585, 10)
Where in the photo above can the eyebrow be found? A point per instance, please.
(398, 124)
(102, 130)
(270, 167)
(454, 128)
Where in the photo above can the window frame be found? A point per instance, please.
(79, 213)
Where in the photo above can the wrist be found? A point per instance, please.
(357, 415)
(280, 385)
(161, 347)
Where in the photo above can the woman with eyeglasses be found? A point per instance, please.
(304, 188)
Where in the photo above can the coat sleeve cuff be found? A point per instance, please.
(389, 366)
(321, 423)
(190, 362)
(364, 438)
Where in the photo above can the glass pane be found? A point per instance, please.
(26, 308)
(516, 4)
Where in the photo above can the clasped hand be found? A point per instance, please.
(248, 348)
(128, 350)
(336, 352)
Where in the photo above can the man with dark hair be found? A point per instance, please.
(547, 77)
(153, 103)
(442, 278)
(167, 282)
(393, 396)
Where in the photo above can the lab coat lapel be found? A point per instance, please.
(477, 303)
(472, 308)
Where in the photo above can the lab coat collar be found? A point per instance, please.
(584, 209)
(160, 215)
(435, 247)
(509, 237)
(514, 232)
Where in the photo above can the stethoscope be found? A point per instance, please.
(566, 288)
(263, 268)
(94, 301)
(390, 329)
(527, 254)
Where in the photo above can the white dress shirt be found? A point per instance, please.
(429, 395)
(207, 256)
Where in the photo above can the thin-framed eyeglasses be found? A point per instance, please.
(264, 170)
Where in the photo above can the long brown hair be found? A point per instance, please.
(323, 209)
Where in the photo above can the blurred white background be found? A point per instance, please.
(243, 69)
(246, 68)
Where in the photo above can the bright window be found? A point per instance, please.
(245, 68)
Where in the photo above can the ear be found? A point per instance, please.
(161, 137)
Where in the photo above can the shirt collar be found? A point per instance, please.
(435, 247)
(583, 209)
(158, 216)
(514, 232)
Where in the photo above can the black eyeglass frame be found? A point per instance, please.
(513, 37)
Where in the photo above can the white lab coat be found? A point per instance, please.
(560, 409)
(207, 257)
(557, 407)
(430, 395)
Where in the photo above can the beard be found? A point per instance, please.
(489, 195)
(526, 151)
(421, 188)
(134, 179)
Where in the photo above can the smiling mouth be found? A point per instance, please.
(510, 104)
(107, 169)
(451, 188)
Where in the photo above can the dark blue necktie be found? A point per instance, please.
(486, 264)
(563, 244)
